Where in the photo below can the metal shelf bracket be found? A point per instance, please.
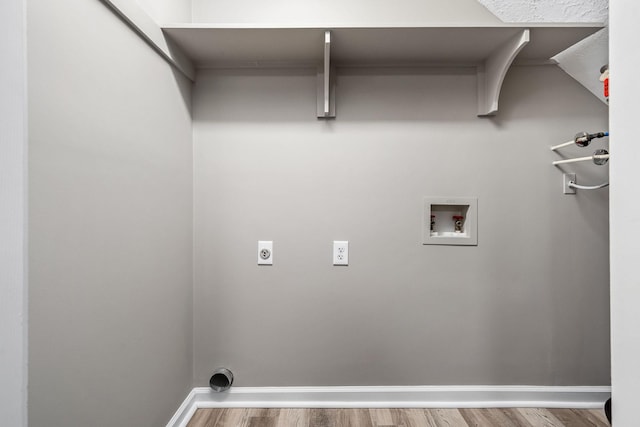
(326, 93)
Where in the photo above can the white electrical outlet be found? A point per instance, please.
(265, 252)
(340, 252)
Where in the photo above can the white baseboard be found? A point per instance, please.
(392, 397)
(187, 409)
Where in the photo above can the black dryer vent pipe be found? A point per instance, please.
(221, 380)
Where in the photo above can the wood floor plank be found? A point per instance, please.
(517, 418)
(568, 418)
(259, 417)
(491, 417)
(293, 417)
(238, 417)
(581, 417)
(447, 418)
(399, 417)
(320, 417)
(354, 418)
(600, 415)
(499, 417)
(214, 417)
(261, 422)
(381, 417)
(597, 415)
(199, 418)
(540, 417)
(411, 418)
(597, 418)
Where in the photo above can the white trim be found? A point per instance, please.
(13, 214)
(186, 410)
(392, 397)
(336, 25)
(150, 32)
(624, 210)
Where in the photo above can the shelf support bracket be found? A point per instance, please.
(326, 94)
(492, 71)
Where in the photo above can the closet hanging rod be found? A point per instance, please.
(581, 139)
(599, 157)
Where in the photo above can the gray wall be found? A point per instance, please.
(110, 223)
(528, 305)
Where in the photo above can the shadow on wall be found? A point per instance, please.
(400, 89)
(400, 94)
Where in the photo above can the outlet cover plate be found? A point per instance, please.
(340, 252)
(566, 179)
(265, 252)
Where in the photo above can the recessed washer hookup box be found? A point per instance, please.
(450, 221)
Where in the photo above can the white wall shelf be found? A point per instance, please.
(491, 49)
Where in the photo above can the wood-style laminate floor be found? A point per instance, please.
(510, 417)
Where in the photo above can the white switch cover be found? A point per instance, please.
(265, 252)
(340, 252)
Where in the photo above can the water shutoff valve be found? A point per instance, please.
(604, 78)
(458, 222)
